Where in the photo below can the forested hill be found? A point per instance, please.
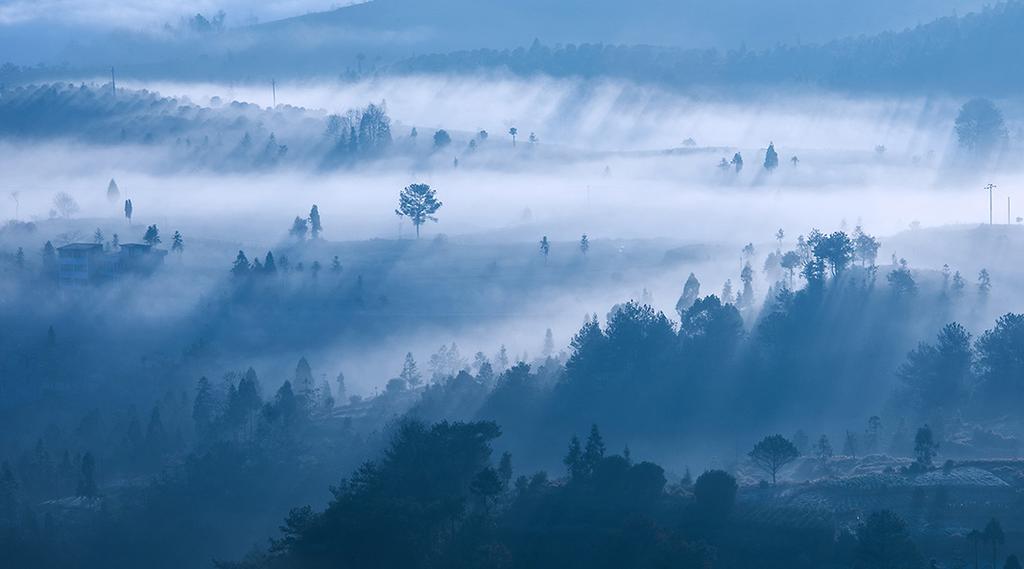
(441, 25)
(721, 43)
(975, 53)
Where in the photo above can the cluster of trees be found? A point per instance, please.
(358, 133)
(958, 378)
(232, 136)
(437, 497)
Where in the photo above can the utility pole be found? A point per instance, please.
(113, 84)
(990, 187)
(273, 89)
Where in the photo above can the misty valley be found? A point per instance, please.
(384, 285)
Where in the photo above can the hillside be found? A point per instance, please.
(969, 53)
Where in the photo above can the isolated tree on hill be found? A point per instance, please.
(128, 209)
(442, 139)
(979, 126)
(584, 244)
(241, 266)
(177, 243)
(533, 139)
(772, 453)
(97, 236)
(545, 248)
(513, 131)
(300, 227)
(771, 158)
(152, 235)
(691, 292)
(113, 193)
(315, 229)
(419, 203)
(115, 242)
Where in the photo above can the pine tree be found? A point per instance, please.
(241, 266)
(300, 227)
(771, 158)
(549, 344)
(113, 193)
(594, 452)
(177, 243)
(269, 266)
(410, 373)
(49, 260)
(691, 292)
(574, 460)
(584, 244)
(303, 377)
(545, 248)
(984, 285)
(314, 222)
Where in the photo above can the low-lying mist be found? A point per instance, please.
(636, 169)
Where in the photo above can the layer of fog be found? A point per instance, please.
(588, 174)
